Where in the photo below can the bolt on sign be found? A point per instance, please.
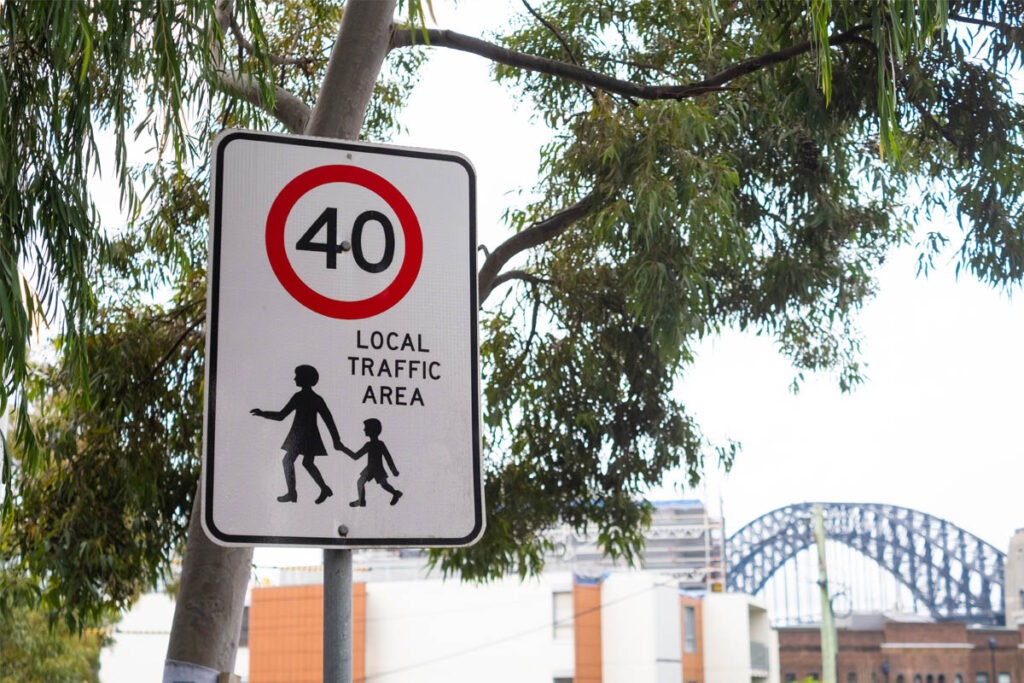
(342, 381)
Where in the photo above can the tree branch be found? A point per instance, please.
(717, 82)
(561, 39)
(190, 328)
(287, 108)
(929, 119)
(510, 275)
(276, 60)
(533, 325)
(533, 236)
(1002, 26)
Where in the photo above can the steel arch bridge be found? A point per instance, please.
(958, 576)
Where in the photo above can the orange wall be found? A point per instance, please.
(586, 600)
(286, 641)
(358, 632)
(693, 662)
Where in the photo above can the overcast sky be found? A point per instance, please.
(937, 426)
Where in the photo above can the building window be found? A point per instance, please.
(918, 679)
(562, 615)
(790, 677)
(1004, 677)
(900, 678)
(851, 677)
(981, 677)
(958, 679)
(689, 629)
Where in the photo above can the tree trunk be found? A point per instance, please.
(211, 597)
(363, 41)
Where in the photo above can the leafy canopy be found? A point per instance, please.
(712, 165)
(34, 650)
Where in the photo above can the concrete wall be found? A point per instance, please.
(732, 622)
(140, 645)
(456, 632)
(641, 634)
(726, 638)
(407, 631)
(668, 646)
(762, 634)
(627, 628)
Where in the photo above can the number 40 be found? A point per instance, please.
(331, 247)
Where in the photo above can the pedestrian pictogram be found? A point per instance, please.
(342, 373)
(304, 436)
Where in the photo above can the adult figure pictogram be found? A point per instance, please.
(376, 455)
(304, 436)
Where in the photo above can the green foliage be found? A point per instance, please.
(66, 69)
(98, 521)
(101, 515)
(767, 205)
(102, 457)
(33, 650)
(766, 202)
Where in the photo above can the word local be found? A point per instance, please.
(392, 341)
(394, 368)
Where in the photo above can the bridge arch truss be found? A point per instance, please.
(956, 575)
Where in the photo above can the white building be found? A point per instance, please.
(622, 627)
(585, 620)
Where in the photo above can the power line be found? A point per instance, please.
(514, 636)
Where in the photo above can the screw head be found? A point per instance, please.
(343, 530)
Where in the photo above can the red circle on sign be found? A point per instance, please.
(306, 295)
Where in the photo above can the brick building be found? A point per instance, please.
(876, 649)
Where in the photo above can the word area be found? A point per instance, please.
(410, 371)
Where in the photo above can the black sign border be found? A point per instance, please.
(212, 315)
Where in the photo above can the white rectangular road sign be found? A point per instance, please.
(342, 386)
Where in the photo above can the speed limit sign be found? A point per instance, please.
(321, 236)
(342, 372)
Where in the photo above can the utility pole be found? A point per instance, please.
(829, 643)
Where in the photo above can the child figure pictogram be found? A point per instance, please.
(376, 455)
(304, 436)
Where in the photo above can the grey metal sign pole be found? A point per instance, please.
(360, 48)
(337, 616)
